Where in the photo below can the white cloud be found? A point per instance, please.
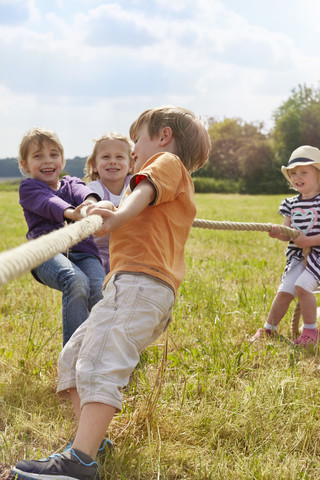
(110, 25)
(84, 65)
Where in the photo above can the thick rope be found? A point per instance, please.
(260, 227)
(24, 258)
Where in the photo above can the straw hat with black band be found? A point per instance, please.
(304, 155)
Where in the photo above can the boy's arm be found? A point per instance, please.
(142, 196)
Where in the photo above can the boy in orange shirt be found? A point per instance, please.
(148, 235)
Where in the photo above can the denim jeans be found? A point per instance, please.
(79, 277)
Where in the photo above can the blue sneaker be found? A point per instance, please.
(68, 465)
(106, 443)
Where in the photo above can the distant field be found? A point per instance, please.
(10, 179)
(211, 406)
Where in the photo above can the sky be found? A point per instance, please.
(87, 67)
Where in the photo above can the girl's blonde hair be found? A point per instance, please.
(39, 136)
(192, 140)
(90, 174)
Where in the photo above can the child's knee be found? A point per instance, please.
(285, 297)
(76, 281)
(302, 292)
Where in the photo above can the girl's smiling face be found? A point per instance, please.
(44, 162)
(113, 163)
(306, 180)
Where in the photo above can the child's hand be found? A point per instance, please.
(302, 240)
(73, 214)
(101, 206)
(80, 211)
(106, 210)
(274, 231)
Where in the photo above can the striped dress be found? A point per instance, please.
(304, 216)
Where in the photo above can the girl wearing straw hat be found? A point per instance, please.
(302, 273)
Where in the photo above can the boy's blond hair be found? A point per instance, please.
(90, 175)
(39, 136)
(192, 140)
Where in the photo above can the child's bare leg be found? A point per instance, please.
(75, 399)
(308, 305)
(279, 307)
(93, 424)
(277, 311)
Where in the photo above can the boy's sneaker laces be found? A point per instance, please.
(69, 465)
(102, 449)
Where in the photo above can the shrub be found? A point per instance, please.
(212, 185)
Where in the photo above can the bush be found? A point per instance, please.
(212, 185)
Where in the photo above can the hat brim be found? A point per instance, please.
(284, 169)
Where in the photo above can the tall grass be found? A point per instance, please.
(203, 403)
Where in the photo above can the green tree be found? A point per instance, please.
(297, 122)
(225, 139)
(242, 152)
(258, 170)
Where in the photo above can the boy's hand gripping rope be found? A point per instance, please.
(24, 258)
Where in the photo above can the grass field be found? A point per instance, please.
(203, 403)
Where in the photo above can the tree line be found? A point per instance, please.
(246, 159)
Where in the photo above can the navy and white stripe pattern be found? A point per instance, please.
(305, 216)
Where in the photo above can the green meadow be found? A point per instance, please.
(203, 403)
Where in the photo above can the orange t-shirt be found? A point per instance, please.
(153, 242)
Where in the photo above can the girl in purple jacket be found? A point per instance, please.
(48, 202)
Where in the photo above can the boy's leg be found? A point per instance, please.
(75, 399)
(133, 313)
(94, 421)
